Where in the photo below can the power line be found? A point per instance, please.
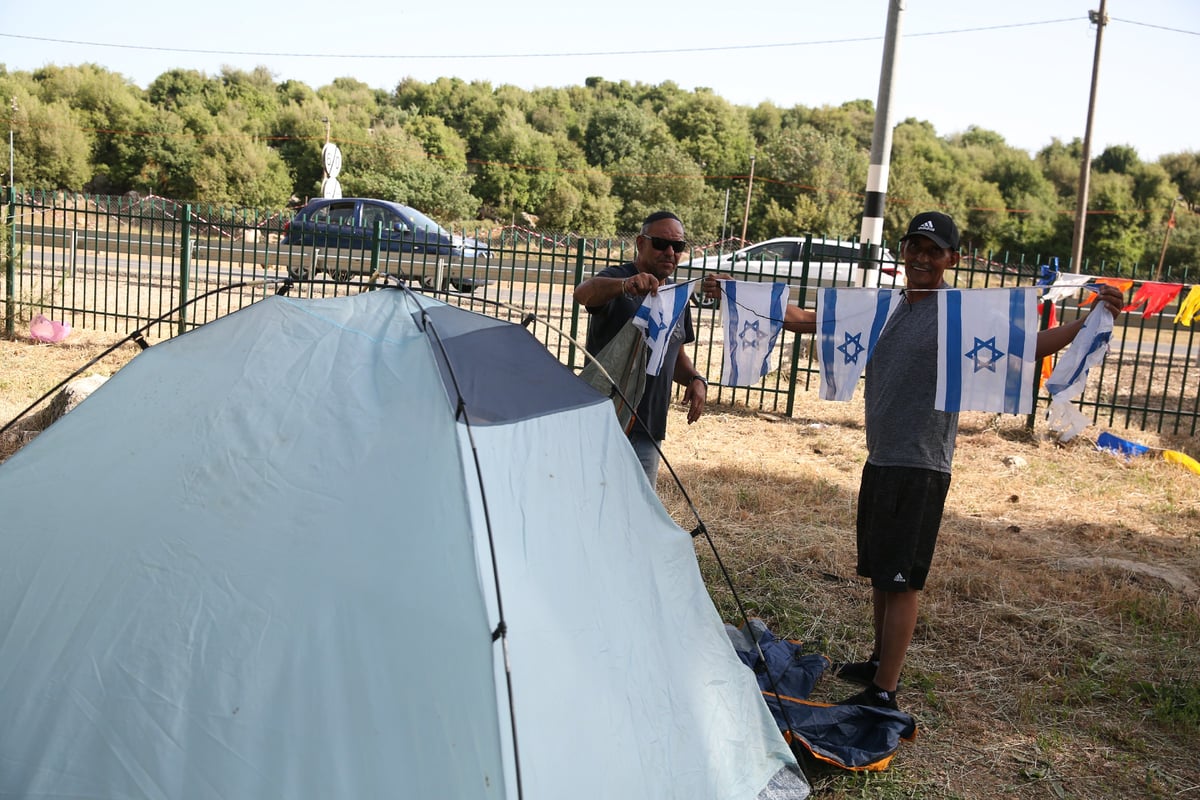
(482, 56)
(1158, 27)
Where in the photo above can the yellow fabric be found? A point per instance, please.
(1189, 308)
(1182, 459)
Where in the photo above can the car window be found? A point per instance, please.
(824, 251)
(423, 223)
(371, 214)
(769, 251)
(335, 214)
(393, 221)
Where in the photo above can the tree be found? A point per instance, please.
(518, 165)
(1184, 170)
(394, 166)
(54, 152)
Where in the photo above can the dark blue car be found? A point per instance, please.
(348, 223)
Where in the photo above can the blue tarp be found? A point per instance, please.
(850, 737)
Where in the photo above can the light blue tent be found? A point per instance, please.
(366, 547)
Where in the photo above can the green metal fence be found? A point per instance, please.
(119, 264)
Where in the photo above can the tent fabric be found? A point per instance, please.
(619, 371)
(858, 738)
(286, 554)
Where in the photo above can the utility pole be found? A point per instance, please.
(749, 188)
(1170, 224)
(11, 120)
(871, 232)
(1100, 18)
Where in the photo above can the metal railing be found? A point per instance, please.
(116, 264)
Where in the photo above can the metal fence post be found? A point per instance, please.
(10, 265)
(579, 248)
(185, 267)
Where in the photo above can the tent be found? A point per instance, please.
(362, 547)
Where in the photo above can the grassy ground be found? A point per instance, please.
(1057, 653)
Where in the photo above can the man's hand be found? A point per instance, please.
(711, 285)
(641, 284)
(1112, 297)
(693, 397)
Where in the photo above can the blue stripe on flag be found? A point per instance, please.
(778, 304)
(829, 337)
(952, 358)
(1015, 351)
(883, 302)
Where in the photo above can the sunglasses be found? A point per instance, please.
(659, 243)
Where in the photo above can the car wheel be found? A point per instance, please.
(700, 301)
(299, 273)
(341, 274)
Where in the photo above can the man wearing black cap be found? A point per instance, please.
(910, 445)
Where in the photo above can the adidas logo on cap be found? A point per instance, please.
(927, 225)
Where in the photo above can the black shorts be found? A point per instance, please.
(899, 513)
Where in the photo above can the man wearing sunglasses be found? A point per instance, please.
(612, 296)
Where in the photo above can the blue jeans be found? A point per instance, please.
(647, 453)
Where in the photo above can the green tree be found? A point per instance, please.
(394, 166)
(53, 151)
(1184, 169)
(518, 165)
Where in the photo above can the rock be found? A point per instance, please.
(71, 395)
(1016, 462)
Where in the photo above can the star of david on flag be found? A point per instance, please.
(987, 340)
(752, 318)
(657, 316)
(849, 322)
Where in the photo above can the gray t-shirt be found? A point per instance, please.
(903, 428)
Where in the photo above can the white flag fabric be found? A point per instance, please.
(1069, 377)
(849, 322)
(1066, 284)
(752, 318)
(657, 317)
(987, 340)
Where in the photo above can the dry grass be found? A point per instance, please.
(1058, 649)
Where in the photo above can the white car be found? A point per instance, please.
(830, 262)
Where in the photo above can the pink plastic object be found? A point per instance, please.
(44, 329)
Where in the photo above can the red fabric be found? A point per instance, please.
(1155, 296)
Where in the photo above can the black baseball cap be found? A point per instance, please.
(935, 226)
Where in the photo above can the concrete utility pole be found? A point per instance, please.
(1100, 18)
(871, 233)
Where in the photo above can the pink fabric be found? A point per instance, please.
(44, 329)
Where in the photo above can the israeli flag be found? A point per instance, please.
(1069, 377)
(987, 340)
(849, 322)
(657, 316)
(752, 317)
